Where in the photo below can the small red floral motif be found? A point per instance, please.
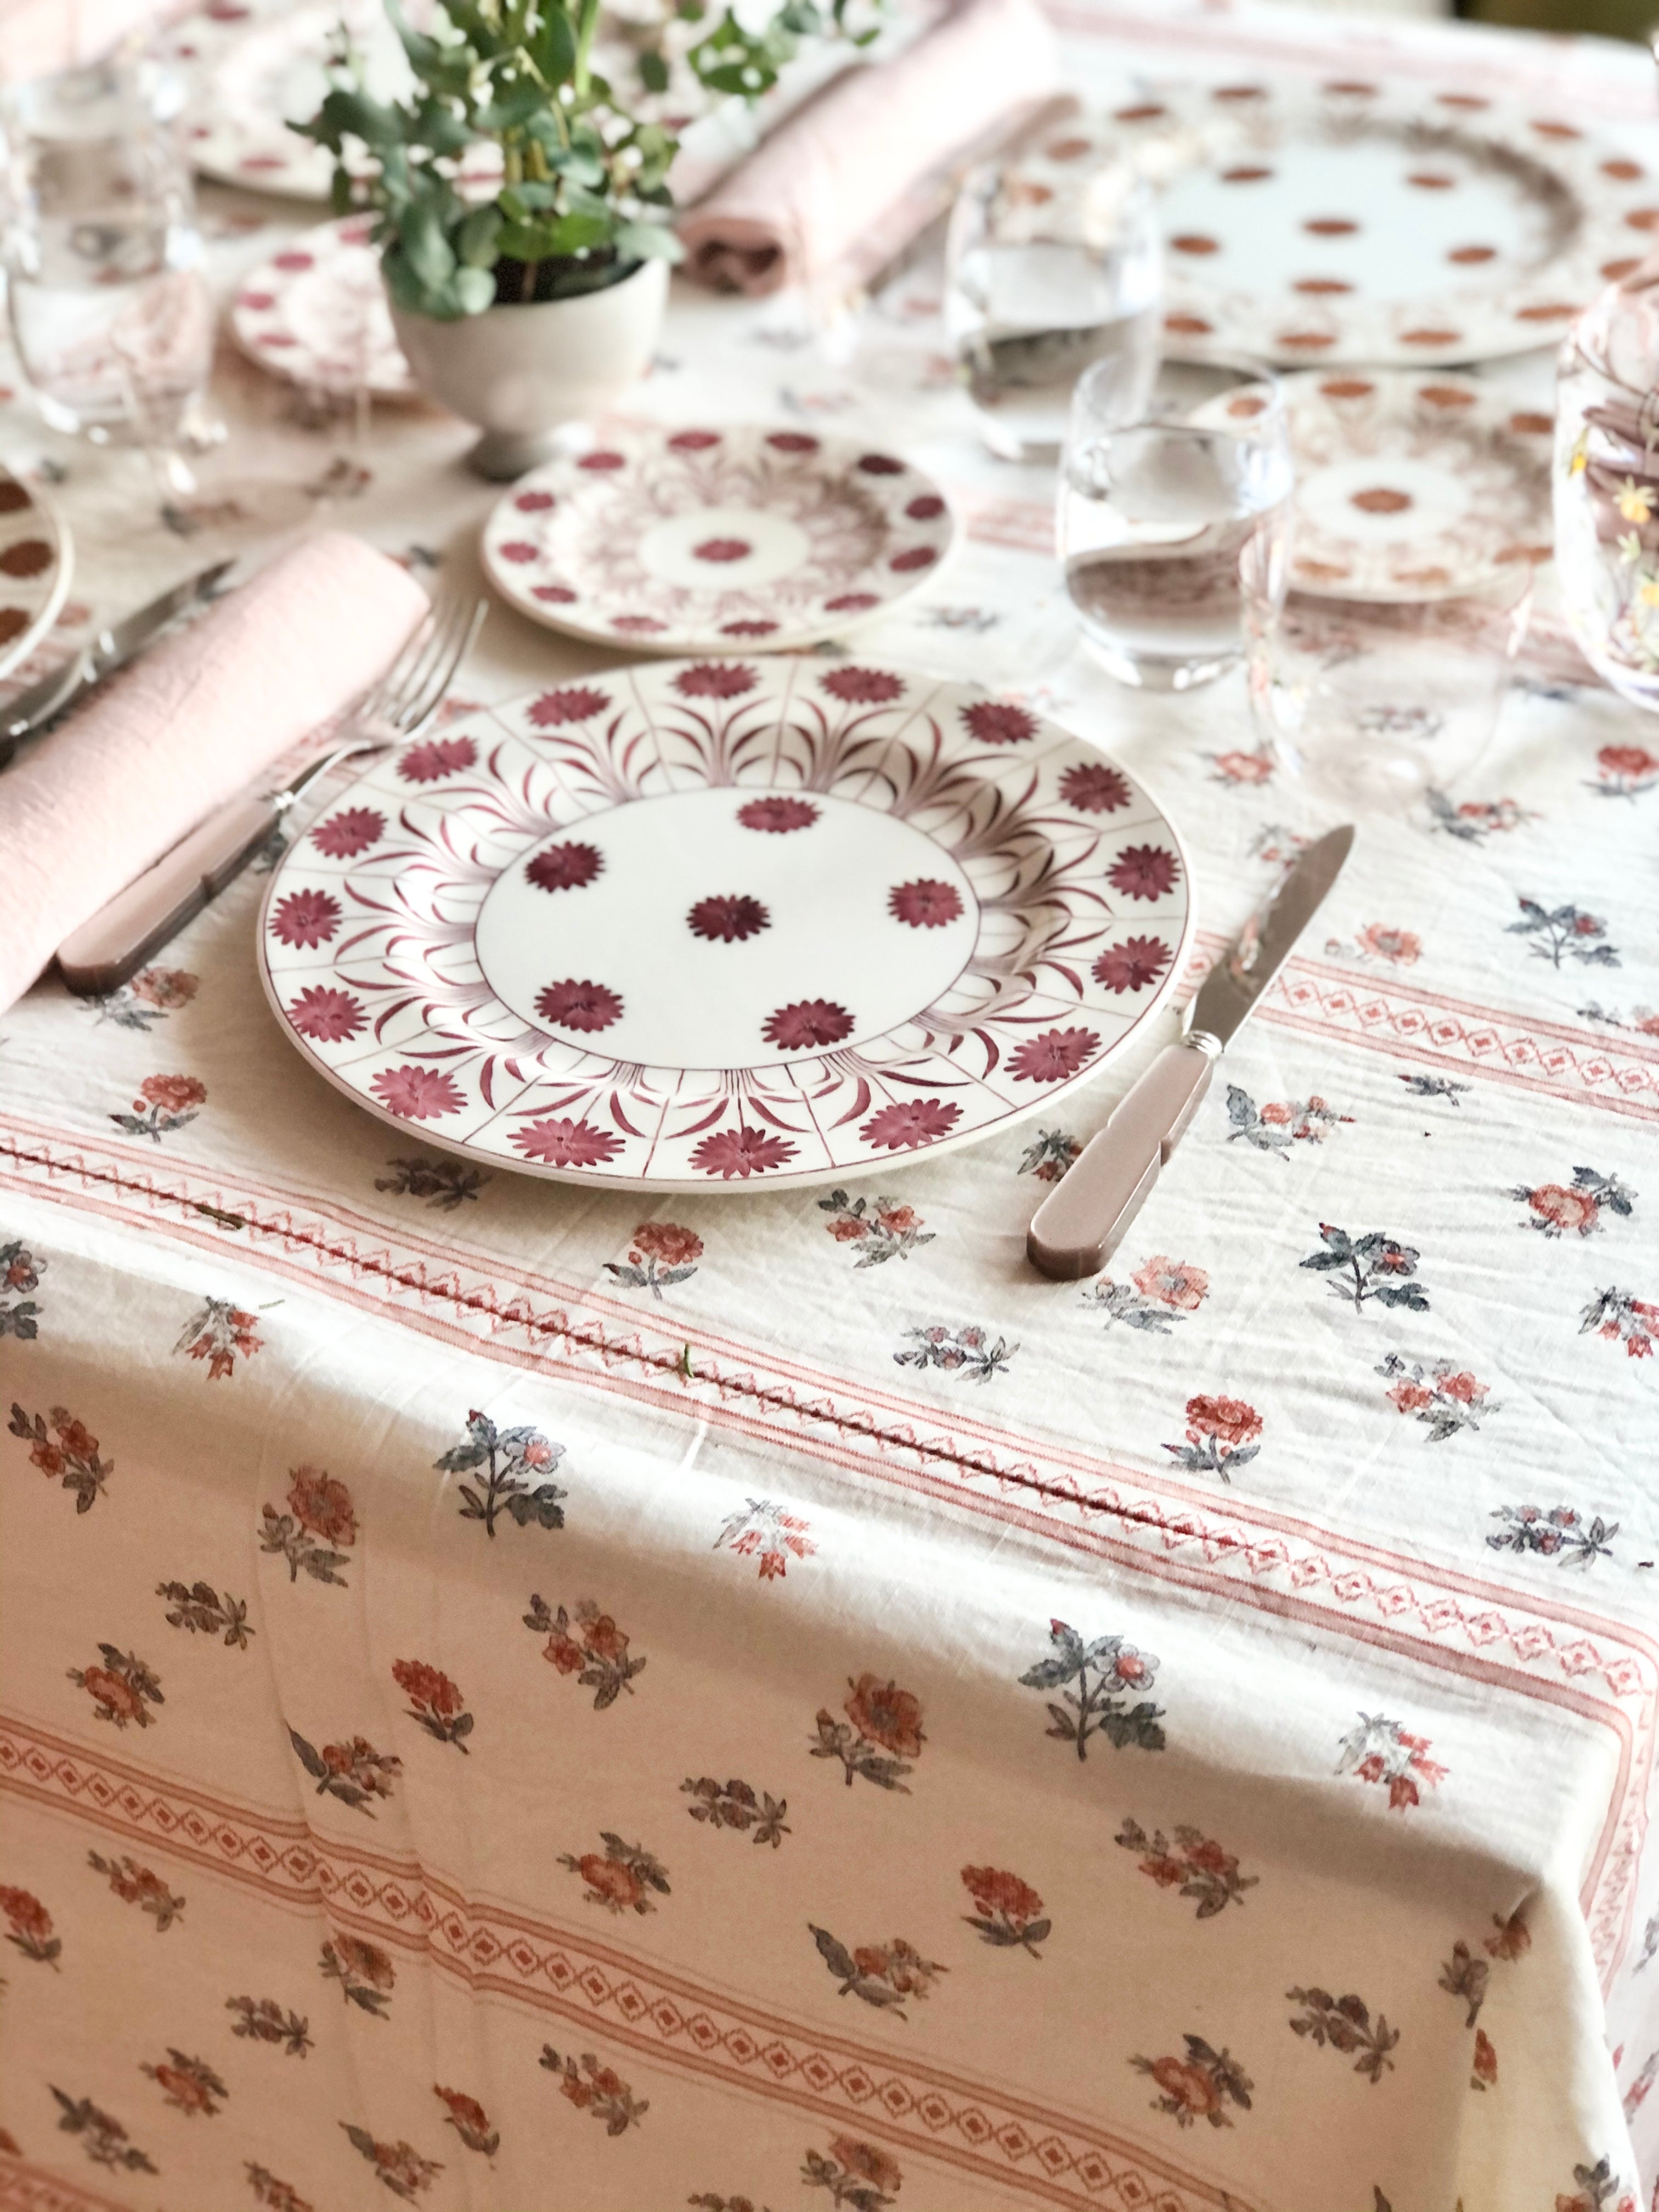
(721, 550)
(1379, 1750)
(189, 2084)
(995, 722)
(556, 595)
(715, 679)
(925, 905)
(171, 1093)
(567, 1144)
(30, 1925)
(564, 867)
(353, 830)
(121, 1688)
(417, 1094)
(914, 556)
(741, 1152)
(1132, 965)
(329, 1016)
(1242, 767)
(1007, 1912)
(518, 550)
(434, 1701)
(927, 508)
(762, 1531)
(322, 1505)
(881, 465)
(573, 702)
(807, 1022)
(747, 629)
(1054, 1056)
(693, 441)
(863, 687)
(582, 1006)
(257, 301)
(306, 918)
(430, 764)
(534, 503)
(469, 2121)
(1144, 871)
(915, 1121)
(1402, 946)
(1095, 788)
(727, 921)
(294, 259)
(852, 603)
(777, 817)
(602, 461)
(792, 441)
(1482, 2073)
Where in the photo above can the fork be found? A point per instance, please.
(101, 956)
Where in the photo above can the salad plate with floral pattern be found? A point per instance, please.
(316, 313)
(717, 540)
(1368, 220)
(724, 925)
(36, 562)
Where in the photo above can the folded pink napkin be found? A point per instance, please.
(190, 725)
(851, 178)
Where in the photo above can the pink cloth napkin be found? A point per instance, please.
(189, 725)
(851, 178)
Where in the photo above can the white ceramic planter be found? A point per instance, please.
(520, 373)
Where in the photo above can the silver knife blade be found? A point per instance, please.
(1232, 988)
(111, 649)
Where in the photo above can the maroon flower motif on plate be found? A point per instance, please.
(567, 1144)
(1132, 965)
(518, 550)
(430, 764)
(330, 1016)
(914, 556)
(741, 1152)
(1144, 871)
(693, 441)
(556, 595)
(927, 508)
(1095, 789)
(721, 550)
(792, 441)
(306, 918)
(778, 816)
(715, 679)
(564, 867)
(576, 702)
(1053, 1056)
(602, 461)
(881, 465)
(995, 722)
(807, 1022)
(863, 687)
(353, 830)
(417, 1094)
(747, 629)
(582, 1005)
(915, 1121)
(925, 905)
(534, 503)
(852, 603)
(727, 921)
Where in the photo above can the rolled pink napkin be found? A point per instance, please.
(189, 725)
(851, 178)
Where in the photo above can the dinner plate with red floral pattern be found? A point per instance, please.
(698, 540)
(36, 562)
(721, 924)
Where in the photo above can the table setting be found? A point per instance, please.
(828, 1050)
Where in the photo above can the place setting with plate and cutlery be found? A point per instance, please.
(829, 858)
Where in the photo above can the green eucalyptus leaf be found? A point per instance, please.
(429, 254)
(653, 70)
(475, 291)
(475, 241)
(648, 241)
(347, 108)
(576, 234)
(556, 48)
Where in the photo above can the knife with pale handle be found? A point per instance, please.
(1080, 1223)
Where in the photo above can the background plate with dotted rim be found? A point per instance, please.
(726, 924)
(316, 313)
(37, 560)
(1369, 222)
(717, 540)
(1413, 487)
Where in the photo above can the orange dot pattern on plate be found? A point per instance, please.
(1432, 180)
(1145, 112)
(1643, 219)
(29, 558)
(1426, 338)
(1613, 271)
(1069, 149)
(1330, 226)
(1550, 130)
(1347, 387)
(1187, 326)
(1249, 173)
(1468, 99)
(1305, 341)
(1380, 499)
(1240, 92)
(12, 623)
(1355, 90)
(1194, 242)
(1536, 554)
(1422, 576)
(1550, 310)
(1624, 172)
(1317, 286)
(1445, 395)
(1247, 403)
(1322, 572)
(13, 498)
(1468, 257)
(1533, 425)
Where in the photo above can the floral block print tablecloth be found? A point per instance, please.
(526, 1701)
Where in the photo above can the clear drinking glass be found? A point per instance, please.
(1053, 262)
(1386, 705)
(108, 308)
(1169, 513)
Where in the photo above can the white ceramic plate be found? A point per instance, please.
(1413, 487)
(726, 924)
(1370, 222)
(711, 541)
(37, 560)
(316, 313)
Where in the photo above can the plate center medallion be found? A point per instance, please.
(726, 928)
(724, 549)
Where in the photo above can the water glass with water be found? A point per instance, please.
(1171, 516)
(1052, 264)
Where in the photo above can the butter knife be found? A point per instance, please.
(111, 649)
(1080, 1223)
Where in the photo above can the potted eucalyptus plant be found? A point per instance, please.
(522, 207)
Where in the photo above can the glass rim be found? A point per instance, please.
(1244, 367)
